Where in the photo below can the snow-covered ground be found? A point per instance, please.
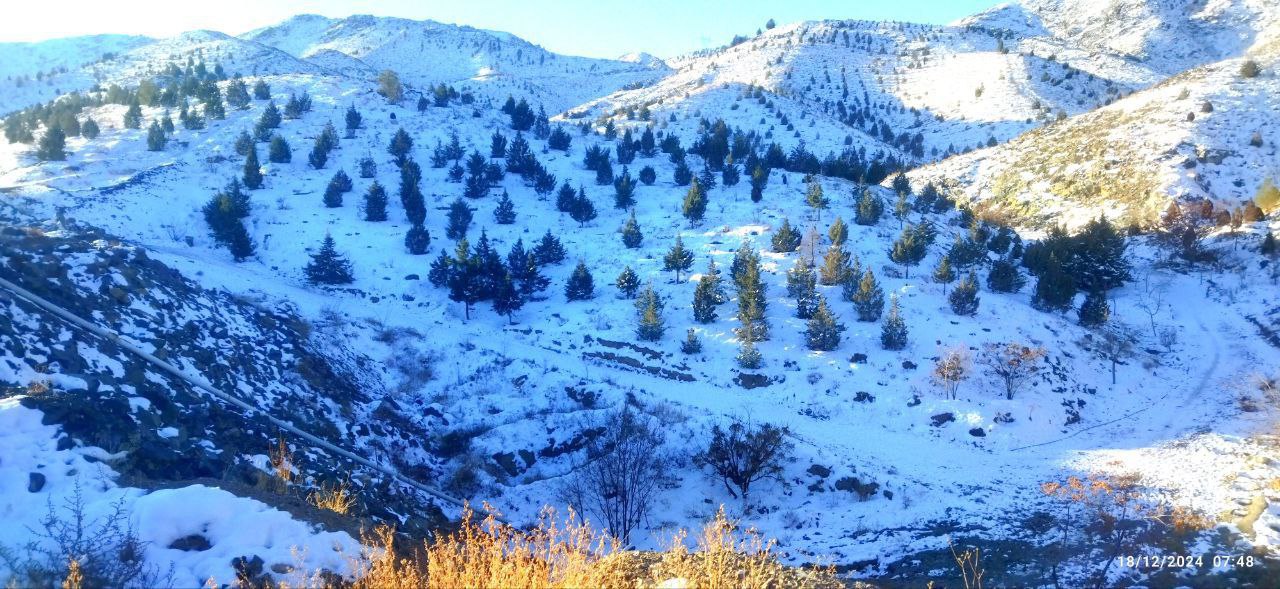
(78, 481)
(524, 392)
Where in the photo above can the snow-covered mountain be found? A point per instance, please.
(892, 452)
(150, 57)
(50, 57)
(1208, 133)
(1165, 37)
(426, 53)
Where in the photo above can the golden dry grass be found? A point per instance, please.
(566, 552)
(336, 498)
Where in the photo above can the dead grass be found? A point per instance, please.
(336, 498)
(567, 552)
(282, 464)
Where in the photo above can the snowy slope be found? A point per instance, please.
(426, 53)
(521, 396)
(29, 59)
(128, 68)
(500, 411)
(1130, 159)
(1165, 36)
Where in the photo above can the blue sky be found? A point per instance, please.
(597, 28)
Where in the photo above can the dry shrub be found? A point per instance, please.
(567, 552)
(728, 556)
(336, 498)
(75, 576)
(282, 463)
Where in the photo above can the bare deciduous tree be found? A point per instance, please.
(1115, 346)
(1012, 363)
(743, 453)
(951, 369)
(625, 469)
(1151, 299)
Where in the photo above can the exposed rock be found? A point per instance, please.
(942, 419)
(751, 381)
(191, 543)
(35, 482)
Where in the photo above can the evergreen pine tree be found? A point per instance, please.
(815, 198)
(707, 178)
(400, 146)
(239, 243)
(839, 232)
(156, 138)
(870, 208)
(438, 275)
(1055, 289)
(506, 298)
(682, 175)
(133, 116)
(901, 208)
(53, 145)
(868, 300)
(802, 285)
(751, 301)
(893, 334)
(505, 212)
(704, 300)
(1097, 260)
(244, 141)
(1269, 246)
(942, 273)
(548, 252)
(624, 191)
(691, 344)
(582, 210)
(417, 240)
(580, 286)
(759, 180)
(375, 203)
(835, 266)
(823, 330)
(353, 120)
(748, 356)
(1005, 277)
(716, 281)
(465, 281)
(628, 282)
(261, 91)
(786, 239)
(1095, 311)
(964, 299)
(678, 259)
(327, 266)
(695, 203)
(332, 196)
(459, 219)
(89, 130)
(730, 175)
(908, 250)
(631, 235)
(648, 176)
(252, 169)
(651, 327)
(278, 152)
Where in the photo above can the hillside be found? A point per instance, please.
(1203, 134)
(427, 53)
(1165, 37)
(395, 304)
